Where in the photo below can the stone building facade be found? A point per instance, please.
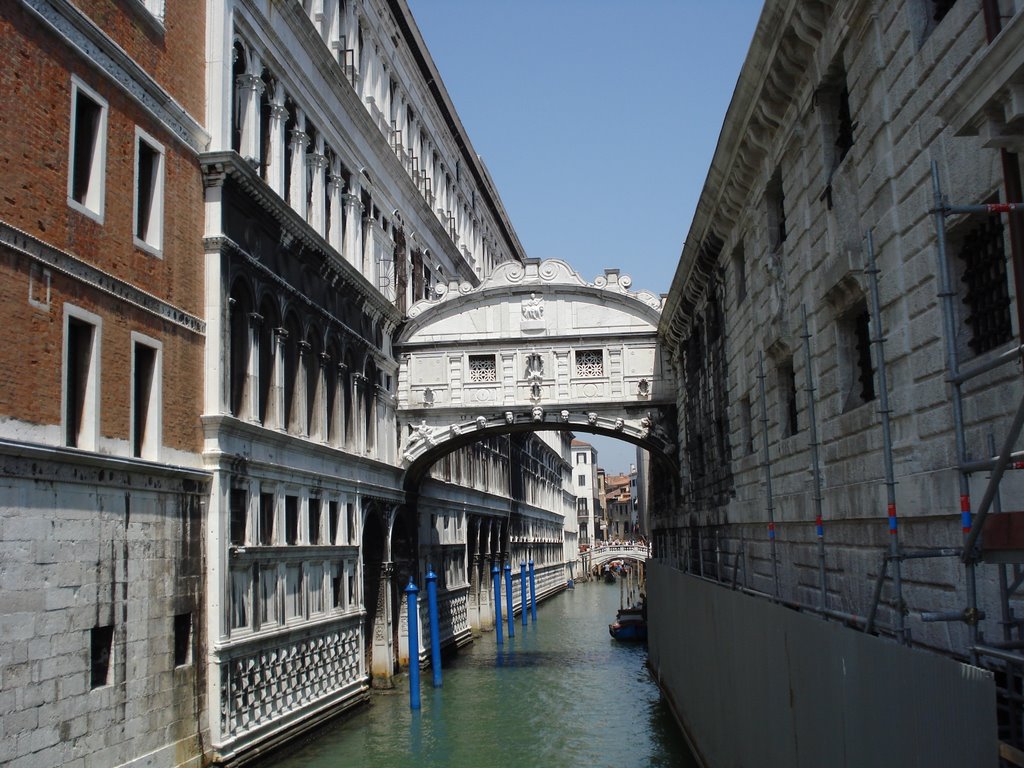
(588, 507)
(825, 158)
(103, 335)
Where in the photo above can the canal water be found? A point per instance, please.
(560, 693)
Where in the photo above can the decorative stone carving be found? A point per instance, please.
(643, 388)
(619, 425)
(592, 417)
(428, 397)
(565, 416)
(481, 422)
(533, 308)
(509, 417)
(538, 413)
(535, 391)
(534, 365)
(455, 429)
(424, 432)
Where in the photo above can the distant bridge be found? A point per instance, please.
(605, 553)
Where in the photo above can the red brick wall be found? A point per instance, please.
(174, 58)
(35, 86)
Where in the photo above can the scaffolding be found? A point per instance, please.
(1003, 656)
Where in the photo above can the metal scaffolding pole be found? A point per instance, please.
(878, 340)
(815, 460)
(766, 464)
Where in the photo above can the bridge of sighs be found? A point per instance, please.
(535, 347)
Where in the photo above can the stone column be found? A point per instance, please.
(276, 413)
(316, 163)
(353, 225)
(337, 438)
(335, 184)
(299, 415)
(251, 400)
(321, 404)
(275, 142)
(369, 267)
(248, 89)
(298, 141)
(382, 643)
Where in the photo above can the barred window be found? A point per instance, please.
(985, 293)
(482, 368)
(589, 363)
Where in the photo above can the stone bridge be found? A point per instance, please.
(534, 347)
(605, 553)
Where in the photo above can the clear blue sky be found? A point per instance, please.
(597, 120)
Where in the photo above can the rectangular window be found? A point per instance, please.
(856, 369)
(338, 584)
(291, 519)
(149, 192)
(739, 269)
(88, 149)
(333, 507)
(581, 506)
(266, 519)
(581, 458)
(81, 377)
(482, 368)
(101, 641)
(241, 580)
(314, 521)
(182, 639)
(589, 363)
(353, 534)
(746, 426)
(268, 595)
(581, 480)
(776, 211)
(239, 511)
(316, 589)
(146, 395)
(787, 397)
(293, 608)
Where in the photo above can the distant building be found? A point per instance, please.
(588, 506)
(621, 513)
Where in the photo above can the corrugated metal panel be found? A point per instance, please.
(756, 684)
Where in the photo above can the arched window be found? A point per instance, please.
(265, 372)
(315, 394)
(293, 389)
(370, 403)
(239, 346)
(332, 396)
(238, 68)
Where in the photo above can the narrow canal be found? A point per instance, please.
(560, 693)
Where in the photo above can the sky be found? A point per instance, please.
(597, 120)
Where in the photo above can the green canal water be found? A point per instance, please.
(560, 693)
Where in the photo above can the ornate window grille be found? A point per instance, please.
(482, 368)
(589, 363)
(986, 294)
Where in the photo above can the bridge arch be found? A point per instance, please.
(534, 347)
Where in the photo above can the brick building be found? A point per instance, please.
(102, 360)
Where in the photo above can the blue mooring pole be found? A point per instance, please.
(414, 645)
(522, 588)
(533, 594)
(496, 575)
(435, 633)
(508, 600)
